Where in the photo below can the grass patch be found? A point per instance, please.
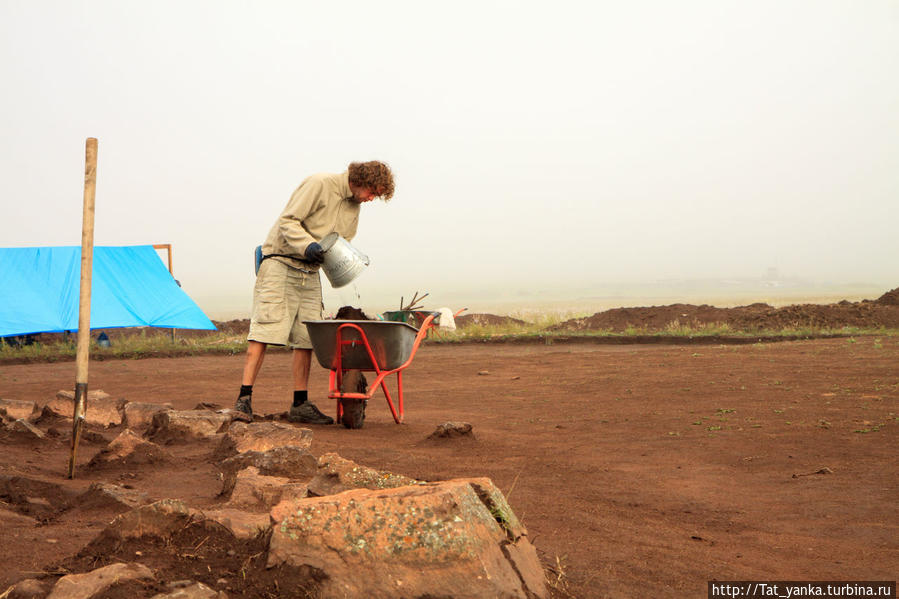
(136, 345)
(144, 343)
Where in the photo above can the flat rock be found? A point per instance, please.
(255, 491)
(242, 437)
(186, 425)
(91, 584)
(336, 474)
(25, 428)
(242, 524)
(446, 539)
(293, 463)
(196, 590)
(100, 408)
(107, 495)
(13, 409)
(451, 430)
(129, 449)
(236, 415)
(139, 416)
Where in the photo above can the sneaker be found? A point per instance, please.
(245, 405)
(307, 412)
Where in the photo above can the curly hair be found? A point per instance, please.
(375, 175)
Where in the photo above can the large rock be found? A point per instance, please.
(139, 416)
(336, 474)
(131, 450)
(100, 408)
(185, 425)
(454, 538)
(91, 584)
(13, 409)
(263, 436)
(258, 492)
(293, 463)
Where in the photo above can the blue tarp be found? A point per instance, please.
(130, 287)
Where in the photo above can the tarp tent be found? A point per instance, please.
(131, 287)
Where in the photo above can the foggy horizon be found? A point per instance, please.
(599, 151)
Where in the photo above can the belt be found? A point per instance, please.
(299, 268)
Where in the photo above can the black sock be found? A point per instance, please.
(246, 391)
(300, 397)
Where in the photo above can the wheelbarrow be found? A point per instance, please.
(380, 346)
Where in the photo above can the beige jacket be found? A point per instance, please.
(320, 205)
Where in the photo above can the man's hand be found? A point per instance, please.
(315, 253)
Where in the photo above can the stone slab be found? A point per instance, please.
(92, 584)
(436, 539)
(100, 408)
(242, 437)
(186, 425)
(139, 415)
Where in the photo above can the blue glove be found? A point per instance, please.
(315, 253)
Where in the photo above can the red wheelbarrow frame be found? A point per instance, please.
(335, 380)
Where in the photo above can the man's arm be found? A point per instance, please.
(304, 201)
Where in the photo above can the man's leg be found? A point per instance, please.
(302, 358)
(255, 357)
(302, 409)
(308, 307)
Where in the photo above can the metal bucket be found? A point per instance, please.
(343, 262)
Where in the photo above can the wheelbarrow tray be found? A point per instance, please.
(390, 342)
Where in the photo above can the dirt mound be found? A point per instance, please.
(202, 553)
(751, 318)
(35, 498)
(465, 320)
(890, 298)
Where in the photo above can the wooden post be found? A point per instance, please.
(82, 352)
(168, 247)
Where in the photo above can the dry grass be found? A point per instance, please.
(557, 579)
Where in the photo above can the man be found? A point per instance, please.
(288, 287)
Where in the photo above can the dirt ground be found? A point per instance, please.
(639, 470)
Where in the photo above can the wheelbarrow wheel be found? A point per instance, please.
(353, 412)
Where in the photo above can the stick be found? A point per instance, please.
(415, 299)
(84, 304)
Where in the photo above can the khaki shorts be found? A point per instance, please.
(283, 298)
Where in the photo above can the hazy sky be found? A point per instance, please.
(564, 146)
